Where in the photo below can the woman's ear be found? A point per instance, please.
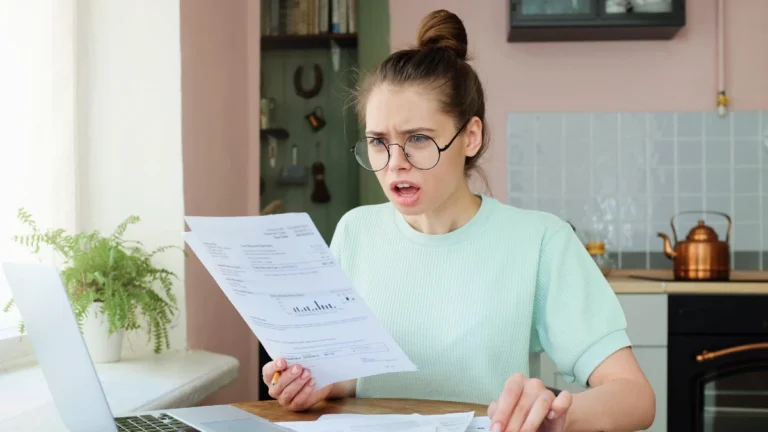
(474, 132)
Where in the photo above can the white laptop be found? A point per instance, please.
(75, 388)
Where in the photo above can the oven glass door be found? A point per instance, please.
(734, 397)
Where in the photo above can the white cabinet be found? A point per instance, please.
(653, 361)
(646, 318)
(647, 329)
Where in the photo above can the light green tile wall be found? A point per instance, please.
(373, 47)
(342, 171)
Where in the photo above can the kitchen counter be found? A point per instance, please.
(622, 282)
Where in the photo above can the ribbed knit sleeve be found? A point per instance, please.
(577, 316)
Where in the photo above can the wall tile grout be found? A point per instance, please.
(733, 244)
(647, 190)
(535, 158)
(761, 133)
(619, 183)
(592, 195)
(676, 170)
(672, 158)
(704, 191)
(562, 163)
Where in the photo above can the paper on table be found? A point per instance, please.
(479, 424)
(281, 277)
(412, 423)
(453, 422)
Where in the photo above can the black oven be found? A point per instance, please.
(717, 363)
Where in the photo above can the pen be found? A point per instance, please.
(275, 377)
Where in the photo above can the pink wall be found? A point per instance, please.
(602, 76)
(220, 98)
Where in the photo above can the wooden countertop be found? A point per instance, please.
(622, 282)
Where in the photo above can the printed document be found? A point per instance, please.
(454, 422)
(281, 277)
(409, 424)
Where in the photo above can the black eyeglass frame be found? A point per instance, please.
(402, 146)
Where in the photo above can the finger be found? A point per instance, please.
(539, 410)
(317, 396)
(492, 408)
(286, 378)
(270, 368)
(513, 389)
(521, 411)
(302, 399)
(560, 405)
(533, 388)
(292, 389)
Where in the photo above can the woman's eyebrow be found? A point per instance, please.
(404, 132)
(416, 130)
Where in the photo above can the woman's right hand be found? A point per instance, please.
(295, 389)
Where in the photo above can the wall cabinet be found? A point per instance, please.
(585, 20)
(647, 328)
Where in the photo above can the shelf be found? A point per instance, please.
(318, 41)
(278, 133)
(594, 24)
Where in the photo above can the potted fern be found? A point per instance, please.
(112, 284)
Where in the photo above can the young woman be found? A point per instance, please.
(468, 286)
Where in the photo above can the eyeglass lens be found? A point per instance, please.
(420, 150)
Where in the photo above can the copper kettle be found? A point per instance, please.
(702, 255)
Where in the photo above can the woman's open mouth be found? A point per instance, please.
(406, 193)
(406, 189)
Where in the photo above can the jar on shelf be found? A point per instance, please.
(596, 249)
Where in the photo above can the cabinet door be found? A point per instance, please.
(653, 361)
(544, 369)
(646, 316)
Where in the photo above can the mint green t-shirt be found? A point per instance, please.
(468, 307)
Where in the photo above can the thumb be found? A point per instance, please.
(558, 410)
(270, 368)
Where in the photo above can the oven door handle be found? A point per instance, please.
(705, 355)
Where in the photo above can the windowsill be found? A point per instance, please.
(168, 380)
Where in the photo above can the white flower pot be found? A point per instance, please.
(103, 347)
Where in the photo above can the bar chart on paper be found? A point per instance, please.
(314, 304)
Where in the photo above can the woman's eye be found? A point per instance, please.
(375, 141)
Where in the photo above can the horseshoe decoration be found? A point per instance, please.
(312, 92)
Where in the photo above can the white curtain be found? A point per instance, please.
(37, 129)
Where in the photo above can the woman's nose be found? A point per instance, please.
(397, 159)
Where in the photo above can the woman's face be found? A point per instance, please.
(409, 114)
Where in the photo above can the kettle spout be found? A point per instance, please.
(668, 250)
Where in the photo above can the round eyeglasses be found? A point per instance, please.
(421, 151)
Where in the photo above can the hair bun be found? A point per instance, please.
(443, 29)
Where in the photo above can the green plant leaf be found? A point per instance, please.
(117, 273)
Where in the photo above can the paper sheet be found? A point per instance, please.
(479, 424)
(454, 422)
(412, 424)
(281, 277)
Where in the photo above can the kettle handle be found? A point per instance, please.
(728, 218)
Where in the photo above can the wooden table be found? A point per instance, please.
(272, 411)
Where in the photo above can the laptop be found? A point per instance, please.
(63, 357)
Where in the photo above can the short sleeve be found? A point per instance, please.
(578, 319)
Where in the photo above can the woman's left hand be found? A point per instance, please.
(526, 405)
